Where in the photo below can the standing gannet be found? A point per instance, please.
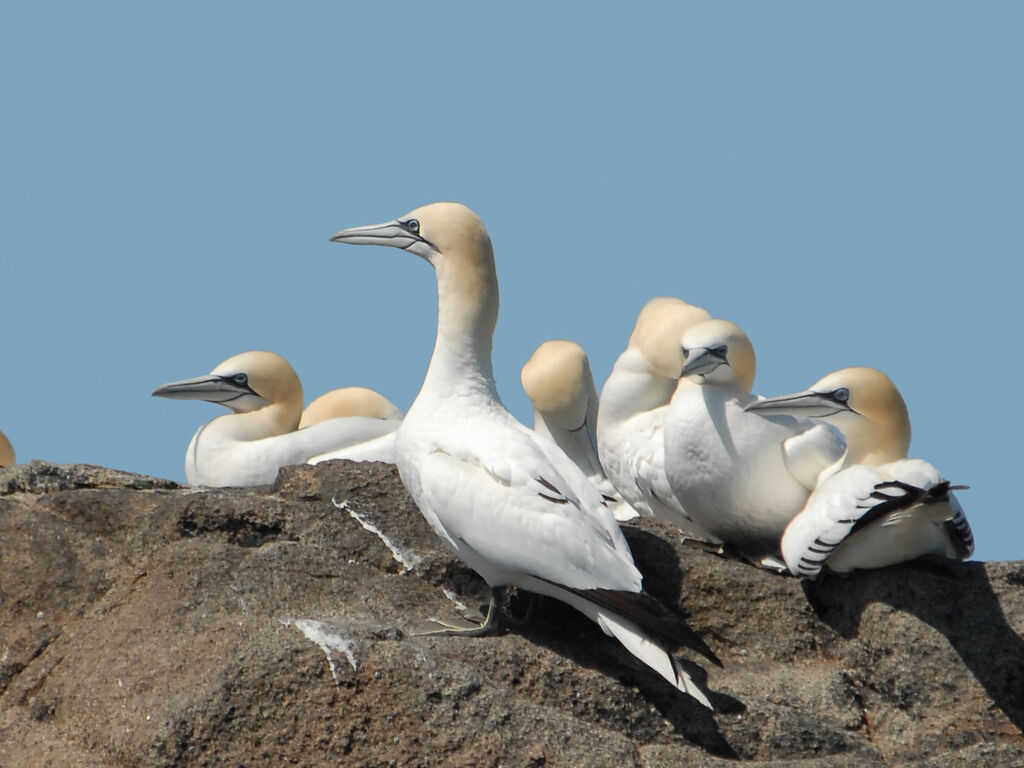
(355, 401)
(6, 452)
(634, 404)
(506, 499)
(881, 508)
(248, 446)
(558, 381)
(741, 476)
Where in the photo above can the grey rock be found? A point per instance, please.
(147, 624)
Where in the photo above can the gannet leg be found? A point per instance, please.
(492, 624)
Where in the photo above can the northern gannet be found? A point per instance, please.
(558, 381)
(6, 452)
(248, 446)
(881, 508)
(634, 404)
(506, 499)
(741, 476)
(349, 401)
(355, 401)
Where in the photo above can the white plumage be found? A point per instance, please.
(506, 499)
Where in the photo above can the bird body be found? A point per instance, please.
(558, 381)
(249, 445)
(506, 499)
(741, 476)
(880, 508)
(634, 403)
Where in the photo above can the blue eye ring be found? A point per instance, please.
(413, 225)
(841, 395)
(240, 379)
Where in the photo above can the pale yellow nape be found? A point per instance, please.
(659, 326)
(879, 429)
(346, 402)
(555, 375)
(272, 378)
(6, 452)
(467, 282)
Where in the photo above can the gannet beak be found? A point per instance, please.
(391, 233)
(213, 389)
(700, 361)
(809, 404)
(397, 234)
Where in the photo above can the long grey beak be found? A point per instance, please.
(808, 404)
(702, 361)
(213, 389)
(389, 233)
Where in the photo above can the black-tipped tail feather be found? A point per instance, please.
(668, 626)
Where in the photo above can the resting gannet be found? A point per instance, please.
(881, 508)
(506, 499)
(248, 446)
(6, 452)
(741, 476)
(355, 401)
(634, 403)
(349, 401)
(558, 381)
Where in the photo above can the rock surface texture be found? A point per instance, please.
(147, 624)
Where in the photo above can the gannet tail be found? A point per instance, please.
(650, 652)
(646, 628)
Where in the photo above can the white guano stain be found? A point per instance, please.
(408, 562)
(329, 641)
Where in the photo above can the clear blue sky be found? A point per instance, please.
(845, 181)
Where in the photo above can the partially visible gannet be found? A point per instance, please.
(346, 403)
(740, 476)
(558, 381)
(248, 446)
(6, 452)
(882, 508)
(634, 404)
(506, 499)
(349, 401)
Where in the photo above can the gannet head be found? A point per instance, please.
(558, 381)
(430, 231)
(453, 239)
(243, 383)
(720, 352)
(6, 452)
(349, 401)
(862, 403)
(659, 326)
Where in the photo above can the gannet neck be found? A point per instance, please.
(453, 239)
(6, 452)
(558, 381)
(346, 402)
(721, 354)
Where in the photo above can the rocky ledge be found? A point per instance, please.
(147, 624)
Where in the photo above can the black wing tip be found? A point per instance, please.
(667, 624)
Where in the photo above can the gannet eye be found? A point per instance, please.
(241, 379)
(721, 351)
(413, 226)
(686, 352)
(841, 395)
